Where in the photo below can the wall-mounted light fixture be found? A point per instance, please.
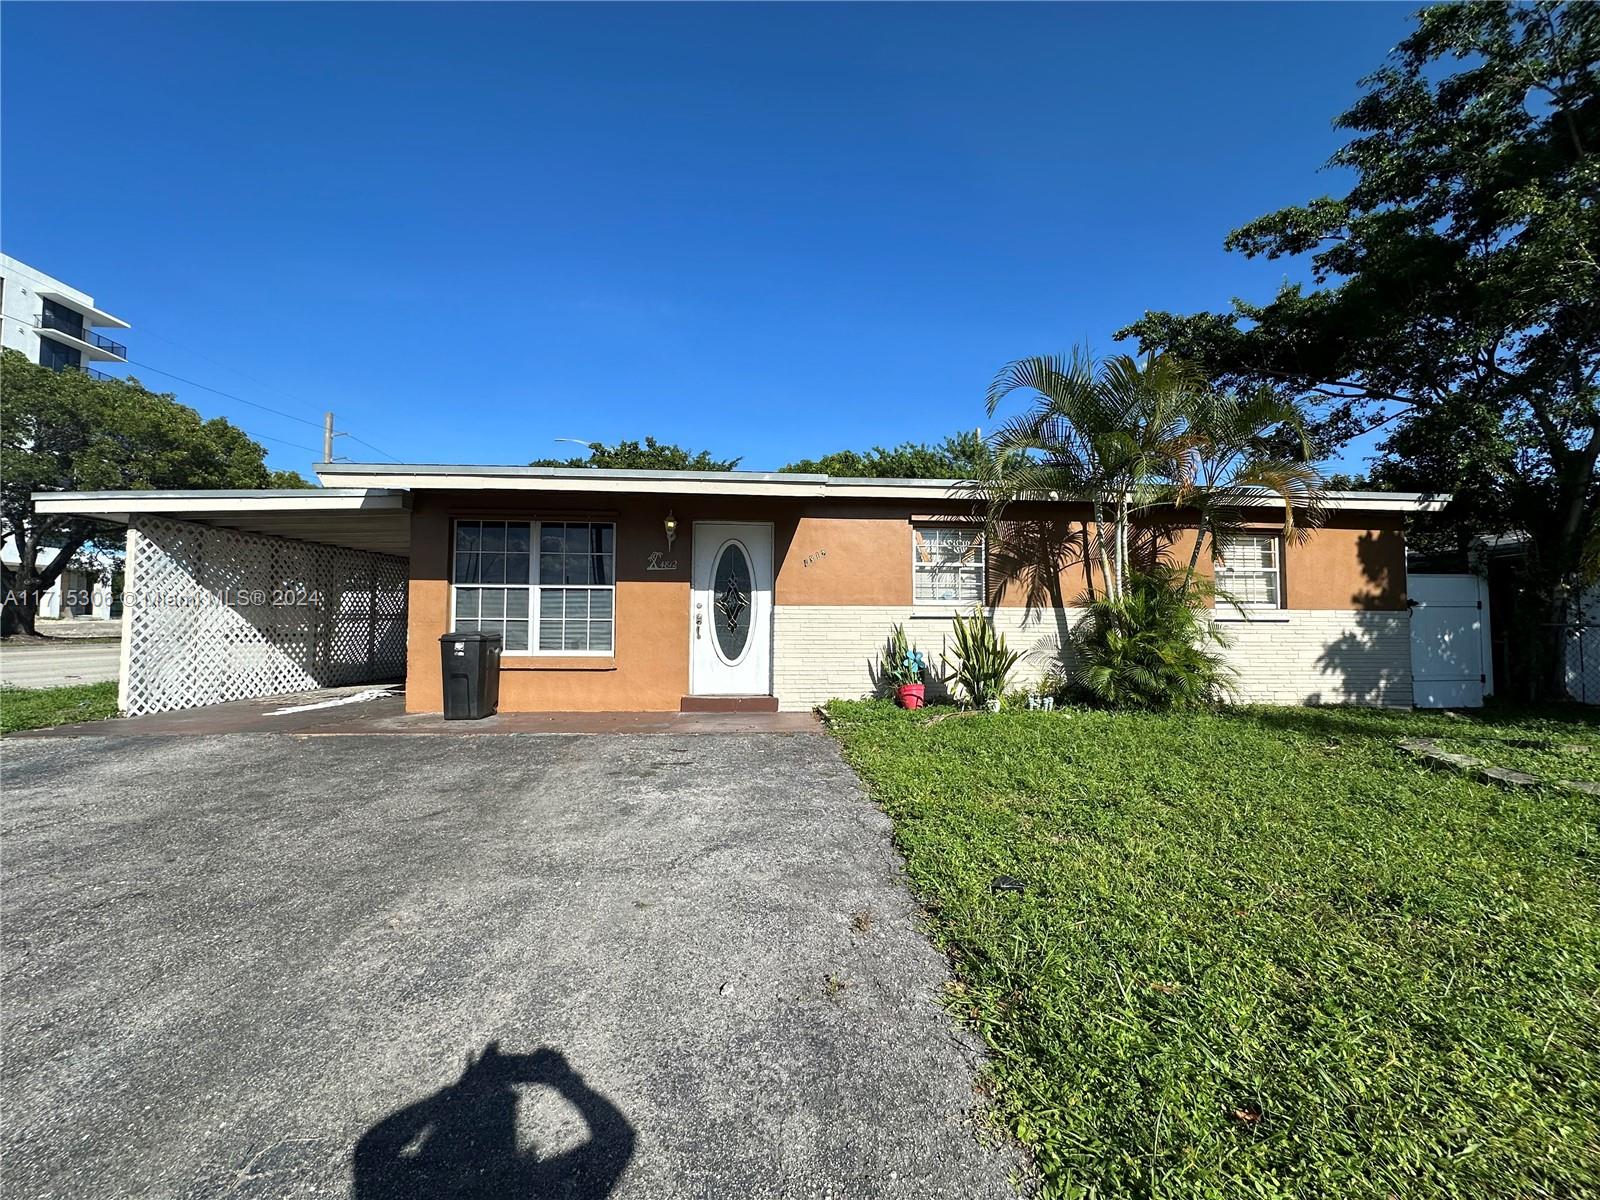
(671, 524)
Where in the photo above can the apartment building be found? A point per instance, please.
(54, 324)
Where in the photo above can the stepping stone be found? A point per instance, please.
(1588, 789)
(1573, 748)
(1459, 762)
(1440, 760)
(1506, 777)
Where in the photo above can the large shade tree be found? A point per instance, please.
(649, 455)
(67, 431)
(1455, 303)
(959, 456)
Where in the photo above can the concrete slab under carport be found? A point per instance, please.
(369, 709)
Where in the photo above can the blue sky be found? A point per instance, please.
(769, 231)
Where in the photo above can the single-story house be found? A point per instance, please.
(78, 591)
(656, 591)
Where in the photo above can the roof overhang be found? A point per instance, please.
(374, 519)
(431, 477)
(97, 316)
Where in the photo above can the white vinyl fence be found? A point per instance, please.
(211, 615)
(1583, 646)
(1452, 662)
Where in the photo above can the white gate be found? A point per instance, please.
(1583, 646)
(1451, 663)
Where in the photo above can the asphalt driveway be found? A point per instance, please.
(262, 965)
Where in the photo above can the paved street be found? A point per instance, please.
(370, 967)
(55, 664)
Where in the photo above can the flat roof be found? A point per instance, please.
(376, 519)
(97, 316)
(373, 511)
(466, 477)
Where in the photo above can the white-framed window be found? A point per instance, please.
(947, 565)
(547, 587)
(1250, 570)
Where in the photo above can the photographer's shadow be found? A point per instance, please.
(461, 1142)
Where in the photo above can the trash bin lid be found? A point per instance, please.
(471, 635)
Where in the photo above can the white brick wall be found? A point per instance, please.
(1324, 656)
(828, 652)
(823, 652)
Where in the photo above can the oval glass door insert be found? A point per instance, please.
(730, 601)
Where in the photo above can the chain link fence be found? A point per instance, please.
(1583, 661)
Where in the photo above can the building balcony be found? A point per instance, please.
(91, 344)
(116, 349)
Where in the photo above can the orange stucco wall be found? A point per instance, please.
(838, 553)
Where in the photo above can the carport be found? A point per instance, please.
(229, 595)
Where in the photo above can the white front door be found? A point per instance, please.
(730, 610)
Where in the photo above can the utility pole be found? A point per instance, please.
(327, 437)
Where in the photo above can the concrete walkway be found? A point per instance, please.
(371, 967)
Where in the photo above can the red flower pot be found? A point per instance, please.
(909, 695)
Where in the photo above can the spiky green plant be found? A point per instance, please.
(981, 664)
(900, 662)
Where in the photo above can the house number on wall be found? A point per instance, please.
(819, 554)
(660, 562)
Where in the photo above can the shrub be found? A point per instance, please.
(1154, 647)
(983, 662)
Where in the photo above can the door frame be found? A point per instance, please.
(772, 587)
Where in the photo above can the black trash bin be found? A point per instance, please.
(471, 675)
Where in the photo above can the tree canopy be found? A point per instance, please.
(66, 431)
(1456, 297)
(959, 456)
(649, 456)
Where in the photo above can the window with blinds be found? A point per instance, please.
(1250, 570)
(547, 587)
(946, 565)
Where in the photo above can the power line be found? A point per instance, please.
(217, 363)
(263, 407)
(277, 390)
(228, 395)
(373, 448)
(263, 437)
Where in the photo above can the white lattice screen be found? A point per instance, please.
(215, 615)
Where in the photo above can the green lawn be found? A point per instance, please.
(1262, 952)
(34, 708)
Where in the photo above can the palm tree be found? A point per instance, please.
(1115, 432)
(1235, 454)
